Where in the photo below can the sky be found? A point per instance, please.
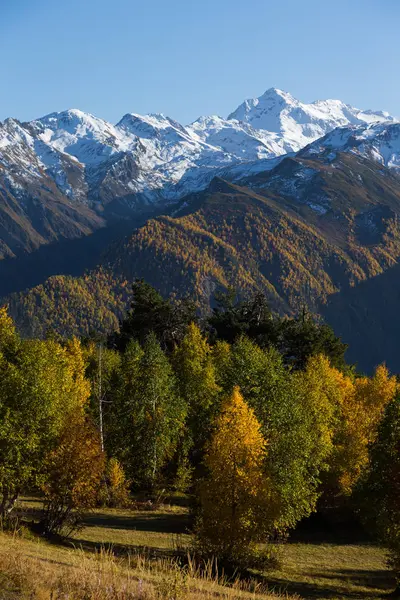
(187, 58)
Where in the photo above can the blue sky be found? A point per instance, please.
(186, 58)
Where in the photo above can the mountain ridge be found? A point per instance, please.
(168, 160)
(264, 236)
(199, 208)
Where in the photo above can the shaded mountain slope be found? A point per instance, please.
(310, 231)
(39, 215)
(367, 316)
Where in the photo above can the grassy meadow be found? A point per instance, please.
(142, 554)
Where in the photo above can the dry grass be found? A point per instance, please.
(36, 570)
(319, 566)
(334, 571)
(160, 530)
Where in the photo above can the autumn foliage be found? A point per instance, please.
(259, 418)
(236, 499)
(73, 473)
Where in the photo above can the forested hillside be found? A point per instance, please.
(268, 235)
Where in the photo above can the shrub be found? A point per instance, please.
(115, 491)
(73, 474)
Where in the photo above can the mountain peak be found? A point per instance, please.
(165, 159)
(276, 93)
(299, 123)
(68, 115)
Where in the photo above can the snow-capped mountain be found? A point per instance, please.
(379, 142)
(354, 153)
(296, 124)
(153, 158)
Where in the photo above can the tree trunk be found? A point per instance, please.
(7, 504)
(100, 392)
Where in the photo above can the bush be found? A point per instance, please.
(73, 474)
(115, 490)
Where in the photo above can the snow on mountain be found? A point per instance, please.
(87, 138)
(379, 142)
(296, 123)
(158, 159)
(240, 140)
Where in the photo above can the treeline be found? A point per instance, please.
(259, 418)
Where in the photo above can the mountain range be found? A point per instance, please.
(300, 201)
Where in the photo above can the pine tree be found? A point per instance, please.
(303, 337)
(231, 319)
(150, 313)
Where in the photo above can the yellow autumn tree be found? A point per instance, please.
(115, 489)
(73, 474)
(362, 408)
(236, 506)
(344, 413)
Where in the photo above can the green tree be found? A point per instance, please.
(292, 425)
(121, 416)
(43, 388)
(159, 413)
(147, 415)
(196, 378)
(151, 313)
(380, 491)
(324, 391)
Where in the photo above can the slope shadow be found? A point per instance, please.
(65, 257)
(158, 522)
(332, 527)
(119, 549)
(370, 579)
(367, 318)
